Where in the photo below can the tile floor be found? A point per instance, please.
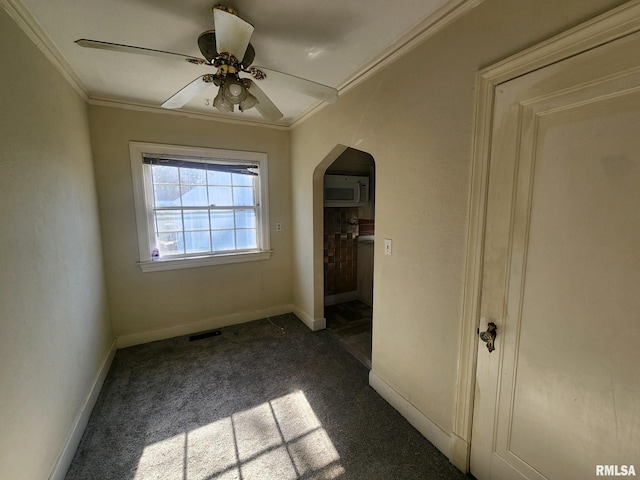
(350, 324)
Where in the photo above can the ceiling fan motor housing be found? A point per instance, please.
(224, 8)
(207, 46)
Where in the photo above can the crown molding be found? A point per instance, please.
(310, 112)
(141, 107)
(32, 29)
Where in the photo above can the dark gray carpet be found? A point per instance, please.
(264, 400)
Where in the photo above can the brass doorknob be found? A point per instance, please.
(489, 336)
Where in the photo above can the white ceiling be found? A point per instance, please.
(331, 42)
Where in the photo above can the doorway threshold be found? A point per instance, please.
(350, 324)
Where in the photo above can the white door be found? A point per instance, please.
(560, 394)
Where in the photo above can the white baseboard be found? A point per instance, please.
(201, 326)
(314, 324)
(426, 427)
(80, 423)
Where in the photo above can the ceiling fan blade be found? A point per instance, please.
(232, 33)
(189, 91)
(265, 106)
(116, 47)
(301, 85)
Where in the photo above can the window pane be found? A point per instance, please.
(194, 196)
(245, 219)
(197, 210)
(197, 242)
(223, 240)
(193, 176)
(168, 221)
(240, 179)
(166, 196)
(196, 220)
(219, 178)
(221, 219)
(170, 243)
(162, 174)
(246, 238)
(243, 196)
(220, 196)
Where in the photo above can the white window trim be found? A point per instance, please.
(144, 202)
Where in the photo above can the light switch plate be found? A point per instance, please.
(387, 246)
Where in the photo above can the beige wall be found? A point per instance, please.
(148, 306)
(54, 324)
(422, 145)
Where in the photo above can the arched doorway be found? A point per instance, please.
(348, 246)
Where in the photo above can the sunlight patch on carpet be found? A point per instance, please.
(280, 439)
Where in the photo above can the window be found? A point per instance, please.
(199, 206)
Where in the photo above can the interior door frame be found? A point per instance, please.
(616, 23)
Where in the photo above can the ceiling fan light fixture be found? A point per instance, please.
(233, 90)
(248, 102)
(221, 103)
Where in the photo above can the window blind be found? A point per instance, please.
(238, 168)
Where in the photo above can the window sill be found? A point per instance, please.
(204, 261)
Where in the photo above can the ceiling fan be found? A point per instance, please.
(227, 49)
